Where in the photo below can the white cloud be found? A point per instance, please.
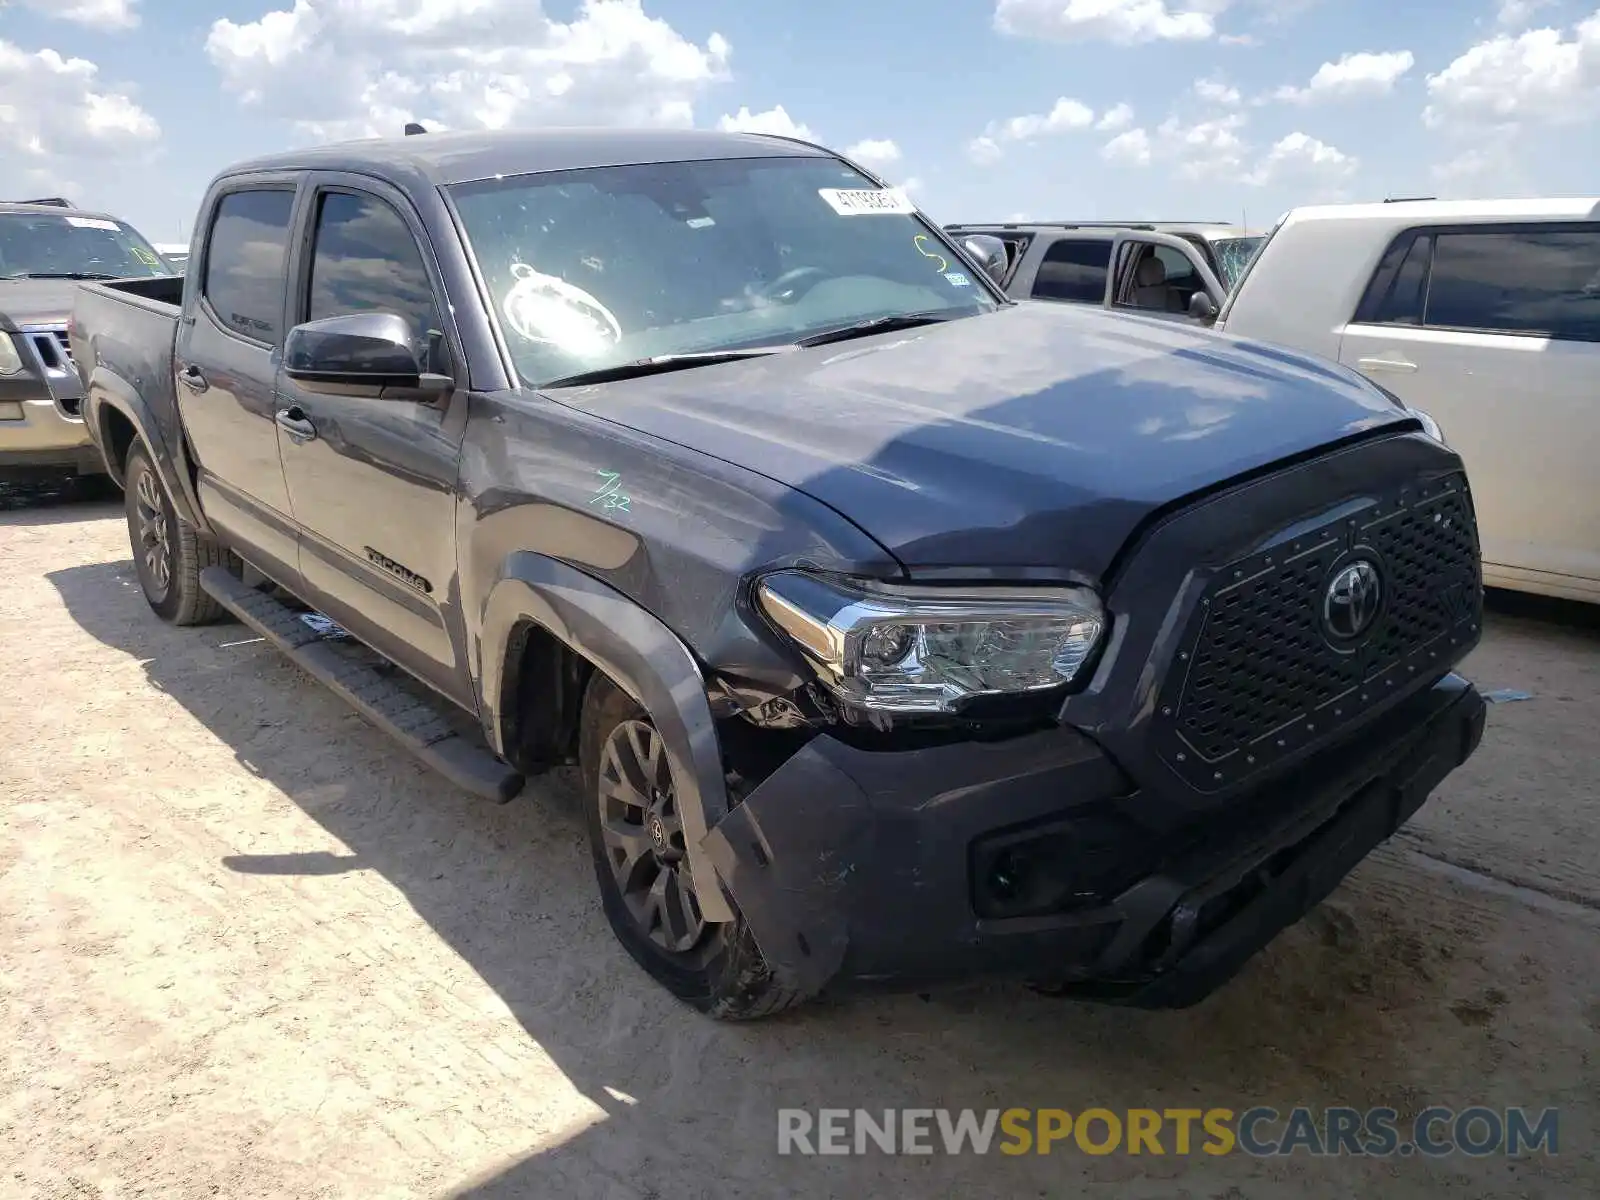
(1362, 74)
(97, 14)
(1131, 147)
(1471, 166)
(61, 128)
(984, 150)
(1113, 119)
(352, 68)
(1212, 148)
(1217, 91)
(1538, 76)
(1064, 117)
(1205, 148)
(1124, 21)
(874, 152)
(1515, 14)
(775, 120)
(1301, 156)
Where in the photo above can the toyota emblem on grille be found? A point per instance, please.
(1352, 600)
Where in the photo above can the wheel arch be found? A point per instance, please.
(539, 602)
(120, 417)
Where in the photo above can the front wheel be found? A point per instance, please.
(168, 553)
(640, 860)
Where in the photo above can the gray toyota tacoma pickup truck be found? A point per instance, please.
(901, 634)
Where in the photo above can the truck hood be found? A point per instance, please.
(1037, 437)
(35, 302)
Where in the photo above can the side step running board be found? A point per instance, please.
(412, 722)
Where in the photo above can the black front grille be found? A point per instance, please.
(1258, 674)
(54, 350)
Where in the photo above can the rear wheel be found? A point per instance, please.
(168, 553)
(640, 858)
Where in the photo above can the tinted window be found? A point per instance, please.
(1074, 270)
(1533, 281)
(1402, 303)
(245, 262)
(366, 260)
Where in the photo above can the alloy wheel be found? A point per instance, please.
(155, 532)
(644, 841)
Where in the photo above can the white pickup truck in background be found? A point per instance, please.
(1485, 314)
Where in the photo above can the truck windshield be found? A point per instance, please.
(68, 245)
(595, 268)
(1234, 255)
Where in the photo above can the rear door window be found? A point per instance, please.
(244, 270)
(1074, 269)
(1528, 281)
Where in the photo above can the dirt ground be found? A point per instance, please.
(249, 949)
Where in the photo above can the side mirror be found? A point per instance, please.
(989, 252)
(357, 353)
(1203, 308)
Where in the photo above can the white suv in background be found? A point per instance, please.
(1485, 314)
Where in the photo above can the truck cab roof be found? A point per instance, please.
(442, 159)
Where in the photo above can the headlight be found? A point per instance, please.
(10, 360)
(929, 649)
(1429, 425)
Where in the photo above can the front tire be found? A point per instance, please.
(168, 553)
(636, 836)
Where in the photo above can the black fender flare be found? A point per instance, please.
(643, 657)
(105, 389)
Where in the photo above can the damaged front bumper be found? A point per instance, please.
(1037, 858)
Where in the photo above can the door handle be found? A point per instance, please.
(295, 423)
(193, 378)
(1386, 364)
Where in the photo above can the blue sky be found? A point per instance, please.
(986, 109)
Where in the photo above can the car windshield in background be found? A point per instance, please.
(35, 245)
(1234, 255)
(592, 269)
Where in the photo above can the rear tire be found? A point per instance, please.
(637, 843)
(168, 553)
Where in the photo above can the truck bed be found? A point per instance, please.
(122, 334)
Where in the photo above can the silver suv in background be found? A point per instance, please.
(1057, 260)
(46, 248)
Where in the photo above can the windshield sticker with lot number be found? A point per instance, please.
(144, 256)
(920, 242)
(92, 223)
(957, 279)
(857, 202)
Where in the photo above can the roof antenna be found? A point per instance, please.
(413, 127)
